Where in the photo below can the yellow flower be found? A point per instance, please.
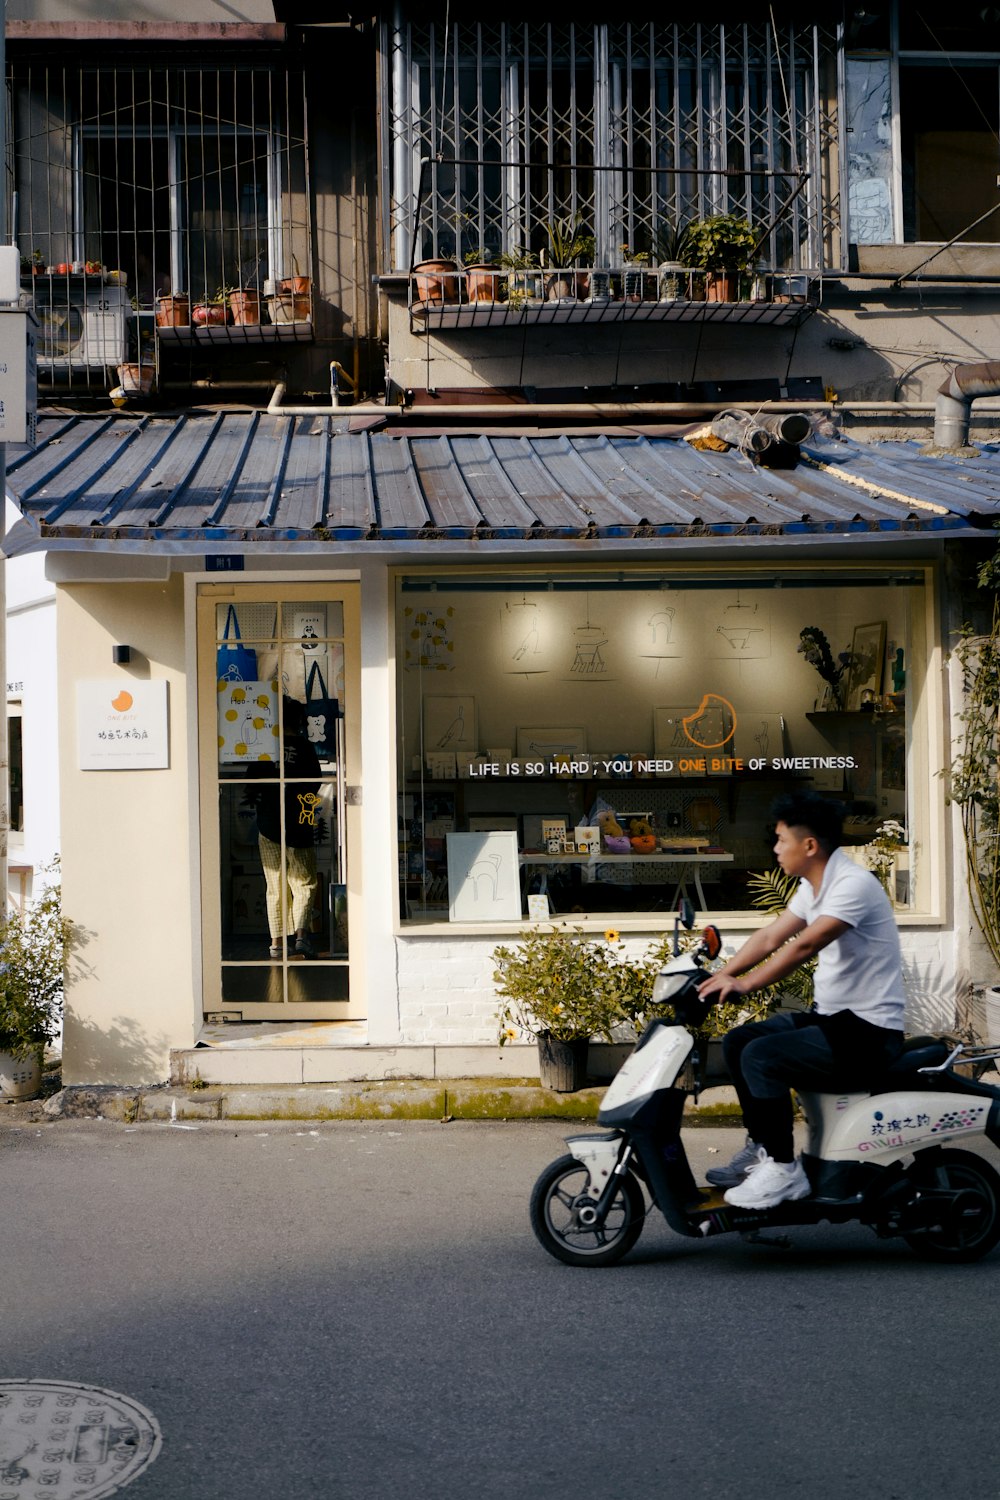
(612, 935)
(510, 1032)
(558, 1009)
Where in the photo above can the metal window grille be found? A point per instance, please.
(183, 179)
(625, 130)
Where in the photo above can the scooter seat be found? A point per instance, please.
(904, 1071)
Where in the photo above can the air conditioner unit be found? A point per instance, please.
(82, 327)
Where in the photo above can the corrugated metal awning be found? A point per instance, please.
(239, 480)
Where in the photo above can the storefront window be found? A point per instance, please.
(609, 743)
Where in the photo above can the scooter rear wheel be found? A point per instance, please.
(559, 1207)
(953, 1171)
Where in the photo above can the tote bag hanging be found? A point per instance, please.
(234, 662)
(322, 713)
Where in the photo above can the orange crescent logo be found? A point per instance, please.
(123, 702)
(710, 700)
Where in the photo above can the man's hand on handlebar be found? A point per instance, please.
(723, 986)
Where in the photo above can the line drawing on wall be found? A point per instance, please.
(449, 724)
(522, 637)
(741, 631)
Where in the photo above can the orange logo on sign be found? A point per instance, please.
(709, 719)
(123, 702)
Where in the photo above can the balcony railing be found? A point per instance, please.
(440, 296)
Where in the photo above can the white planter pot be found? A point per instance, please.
(20, 1077)
(985, 1017)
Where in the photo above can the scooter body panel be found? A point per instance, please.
(881, 1128)
(649, 1070)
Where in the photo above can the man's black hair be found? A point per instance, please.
(822, 818)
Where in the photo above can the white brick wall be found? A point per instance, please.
(447, 998)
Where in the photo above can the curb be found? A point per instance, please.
(460, 1099)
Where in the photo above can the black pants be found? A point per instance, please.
(842, 1053)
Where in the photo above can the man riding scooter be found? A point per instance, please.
(841, 915)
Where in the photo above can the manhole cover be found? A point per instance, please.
(64, 1441)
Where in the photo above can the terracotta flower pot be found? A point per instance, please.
(435, 281)
(722, 286)
(173, 311)
(481, 283)
(245, 306)
(136, 380)
(292, 294)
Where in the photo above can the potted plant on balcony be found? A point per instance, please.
(173, 310)
(212, 311)
(673, 276)
(724, 246)
(633, 276)
(435, 280)
(481, 276)
(524, 279)
(568, 245)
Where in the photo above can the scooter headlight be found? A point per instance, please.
(667, 986)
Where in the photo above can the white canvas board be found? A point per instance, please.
(484, 882)
(759, 736)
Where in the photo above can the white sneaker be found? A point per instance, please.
(770, 1183)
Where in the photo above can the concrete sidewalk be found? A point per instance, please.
(458, 1099)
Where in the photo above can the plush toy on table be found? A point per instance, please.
(642, 839)
(613, 836)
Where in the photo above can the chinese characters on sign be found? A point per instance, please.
(122, 728)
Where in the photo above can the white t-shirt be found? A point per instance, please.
(860, 970)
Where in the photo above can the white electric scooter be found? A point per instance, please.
(878, 1159)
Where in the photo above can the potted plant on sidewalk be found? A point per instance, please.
(558, 986)
(34, 943)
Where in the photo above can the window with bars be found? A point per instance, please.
(180, 178)
(626, 130)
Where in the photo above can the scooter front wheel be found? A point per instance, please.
(561, 1216)
(972, 1237)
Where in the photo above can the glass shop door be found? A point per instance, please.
(280, 754)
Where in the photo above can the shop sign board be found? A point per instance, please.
(18, 376)
(122, 728)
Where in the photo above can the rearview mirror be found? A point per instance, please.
(711, 941)
(687, 914)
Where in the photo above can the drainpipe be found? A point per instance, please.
(953, 410)
(754, 434)
(338, 377)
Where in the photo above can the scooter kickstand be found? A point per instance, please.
(776, 1241)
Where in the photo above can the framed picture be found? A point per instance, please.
(759, 736)
(449, 725)
(484, 881)
(868, 648)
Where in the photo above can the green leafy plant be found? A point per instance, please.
(568, 242)
(34, 945)
(770, 892)
(634, 257)
(556, 983)
(669, 242)
(721, 242)
(519, 259)
(973, 778)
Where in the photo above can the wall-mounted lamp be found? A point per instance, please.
(121, 655)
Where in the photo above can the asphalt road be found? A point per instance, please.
(361, 1311)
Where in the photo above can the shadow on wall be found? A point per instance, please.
(117, 1050)
(931, 997)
